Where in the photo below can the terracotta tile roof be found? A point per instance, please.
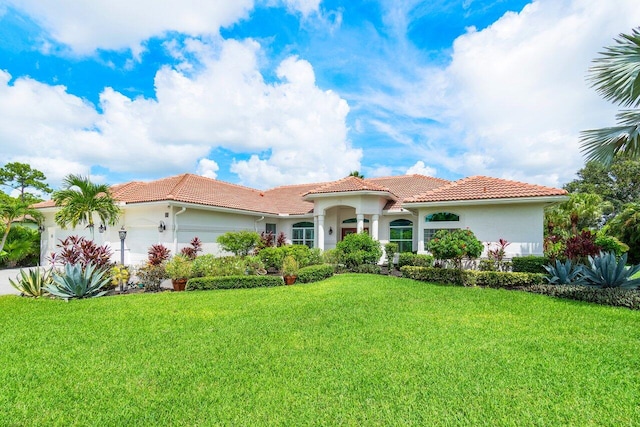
(350, 183)
(482, 187)
(288, 199)
(406, 186)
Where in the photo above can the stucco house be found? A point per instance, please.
(406, 209)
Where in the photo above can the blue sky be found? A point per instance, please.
(273, 92)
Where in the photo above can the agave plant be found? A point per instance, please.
(32, 282)
(564, 273)
(606, 271)
(78, 283)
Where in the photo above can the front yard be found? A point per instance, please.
(354, 350)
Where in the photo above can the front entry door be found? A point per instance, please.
(346, 231)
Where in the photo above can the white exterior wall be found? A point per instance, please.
(520, 224)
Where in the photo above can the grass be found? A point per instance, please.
(351, 350)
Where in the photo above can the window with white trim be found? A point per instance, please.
(430, 232)
(401, 232)
(302, 234)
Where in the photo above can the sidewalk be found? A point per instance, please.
(5, 287)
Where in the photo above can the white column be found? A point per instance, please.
(374, 226)
(320, 232)
(360, 218)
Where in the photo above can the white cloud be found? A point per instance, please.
(421, 169)
(299, 129)
(208, 168)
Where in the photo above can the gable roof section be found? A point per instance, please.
(288, 199)
(406, 186)
(483, 188)
(348, 184)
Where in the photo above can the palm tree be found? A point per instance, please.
(80, 199)
(14, 209)
(616, 76)
(357, 174)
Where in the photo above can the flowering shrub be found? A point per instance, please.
(455, 245)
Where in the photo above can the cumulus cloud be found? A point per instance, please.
(85, 26)
(421, 169)
(298, 129)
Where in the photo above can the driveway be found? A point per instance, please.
(5, 287)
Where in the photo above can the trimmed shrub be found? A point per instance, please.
(445, 276)
(210, 265)
(357, 249)
(530, 264)
(617, 297)
(390, 249)
(407, 258)
(239, 243)
(232, 282)
(501, 279)
(366, 269)
(272, 258)
(455, 245)
(314, 273)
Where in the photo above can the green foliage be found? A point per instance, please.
(507, 280)
(416, 260)
(290, 266)
(487, 265)
(119, 274)
(615, 76)
(626, 227)
(239, 243)
(180, 267)
(390, 249)
(314, 273)
(77, 282)
(357, 249)
(152, 276)
(210, 265)
(455, 245)
(581, 211)
(232, 282)
(254, 265)
(606, 271)
(22, 247)
(11, 210)
(272, 258)
(366, 269)
(564, 273)
(529, 264)
(617, 297)
(80, 199)
(20, 176)
(32, 282)
(447, 276)
(611, 244)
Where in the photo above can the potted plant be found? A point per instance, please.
(179, 269)
(289, 270)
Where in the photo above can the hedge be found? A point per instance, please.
(314, 273)
(416, 260)
(529, 264)
(233, 282)
(453, 276)
(617, 297)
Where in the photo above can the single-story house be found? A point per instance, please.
(405, 209)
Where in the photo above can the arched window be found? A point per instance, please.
(442, 216)
(303, 234)
(401, 232)
(354, 221)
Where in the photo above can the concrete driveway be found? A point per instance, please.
(5, 287)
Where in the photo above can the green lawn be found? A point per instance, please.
(352, 350)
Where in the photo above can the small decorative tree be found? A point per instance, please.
(240, 243)
(357, 249)
(455, 246)
(391, 249)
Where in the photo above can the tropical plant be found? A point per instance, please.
(357, 249)
(180, 267)
(626, 227)
(582, 210)
(80, 200)
(76, 282)
(157, 254)
(455, 245)
(564, 273)
(192, 251)
(497, 255)
(14, 209)
(391, 249)
(20, 176)
(606, 271)
(22, 247)
(210, 265)
(581, 246)
(32, 282)
(281, 240)
(611, 244)
(289, 266)
(267, 240)
(254, 266)
(119, 275)
(615, 75)
(79, 250)
(152, 276)
(239, 243)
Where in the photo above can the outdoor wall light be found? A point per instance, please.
(41, 228)
(102, 228)
(330, 231)
(162, 227)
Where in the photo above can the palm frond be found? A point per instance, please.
(602, 145)
(616, 73)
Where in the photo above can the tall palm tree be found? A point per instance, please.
(80, 199)
(616, 76)
(14, 209)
